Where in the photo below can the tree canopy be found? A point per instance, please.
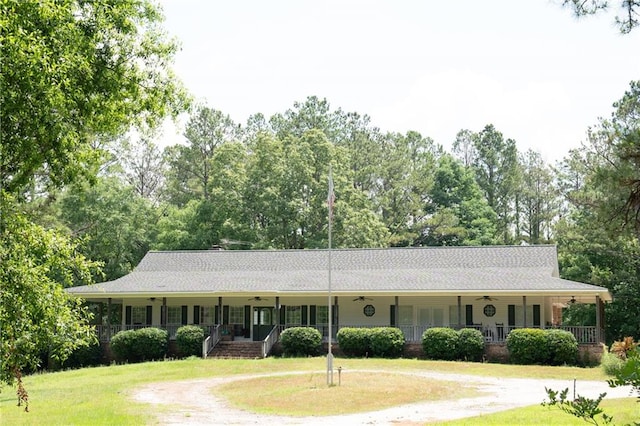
(74, 75)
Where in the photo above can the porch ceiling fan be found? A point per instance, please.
(361, 299)
(572, 301)
(257, 298)
(488, 298)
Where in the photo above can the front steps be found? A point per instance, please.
(237, 349)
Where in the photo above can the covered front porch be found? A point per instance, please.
(242, 317)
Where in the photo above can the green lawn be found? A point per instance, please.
(101, 395)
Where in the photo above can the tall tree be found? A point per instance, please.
(458, 213)
(114, 224)
(143, 167)
(404, 180)
(537, 200)
(497, 173)
(36, 315)
(72, 72)
(192, 172)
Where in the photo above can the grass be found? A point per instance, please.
(101, 396)
(624, 410)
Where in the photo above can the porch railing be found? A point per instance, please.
(491, 333)
(211, 341)
(270, 340)
(106, 332)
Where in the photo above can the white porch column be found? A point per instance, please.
(599, 334)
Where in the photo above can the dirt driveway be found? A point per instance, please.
(194, 402)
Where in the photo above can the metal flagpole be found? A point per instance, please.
(330, 200)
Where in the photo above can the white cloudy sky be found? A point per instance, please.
(434, 66)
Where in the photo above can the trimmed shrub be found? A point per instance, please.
(122, 346)
(354, 341)
(440, 343)
(144, 344)
(301, 341)
(189, 340)
(470, 344)
(386, 342)
(528, 346)
(563, 347)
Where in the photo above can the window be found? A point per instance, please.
(453, 315)
(435, 316)
(293, 315)
(236, 314)
(139, 314)
(207, 315)
(405, 315)
(174, 315)
(322, 315)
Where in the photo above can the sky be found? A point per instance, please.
(541, 76)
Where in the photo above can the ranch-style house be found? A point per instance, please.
(253, 295)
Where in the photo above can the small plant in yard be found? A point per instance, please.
(584, 408)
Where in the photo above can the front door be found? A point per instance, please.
(263, 322)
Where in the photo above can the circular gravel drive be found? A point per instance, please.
(194, 402)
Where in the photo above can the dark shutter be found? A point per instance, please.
(225, 314)
(283, 313)
(196, 314)
(511, 313)
(128, 316)
(149, 314)
(335, 315)
(536, 315)
(247, 319)
(312, 314)
(469, 314)
(216, 314)
(392, 315)
(184, 314)
(303, 314)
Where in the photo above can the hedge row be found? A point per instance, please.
(449, 344)
(381, 342)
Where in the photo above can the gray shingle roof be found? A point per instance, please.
(480, 270)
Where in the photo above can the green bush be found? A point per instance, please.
(386, 342)
(611, 364)
(563, 347)
(85, 356)
(354, 341)
(440, 343)
(301, 341)
(528, 346)
(144, 344)
(189, 340)
(470, 344)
